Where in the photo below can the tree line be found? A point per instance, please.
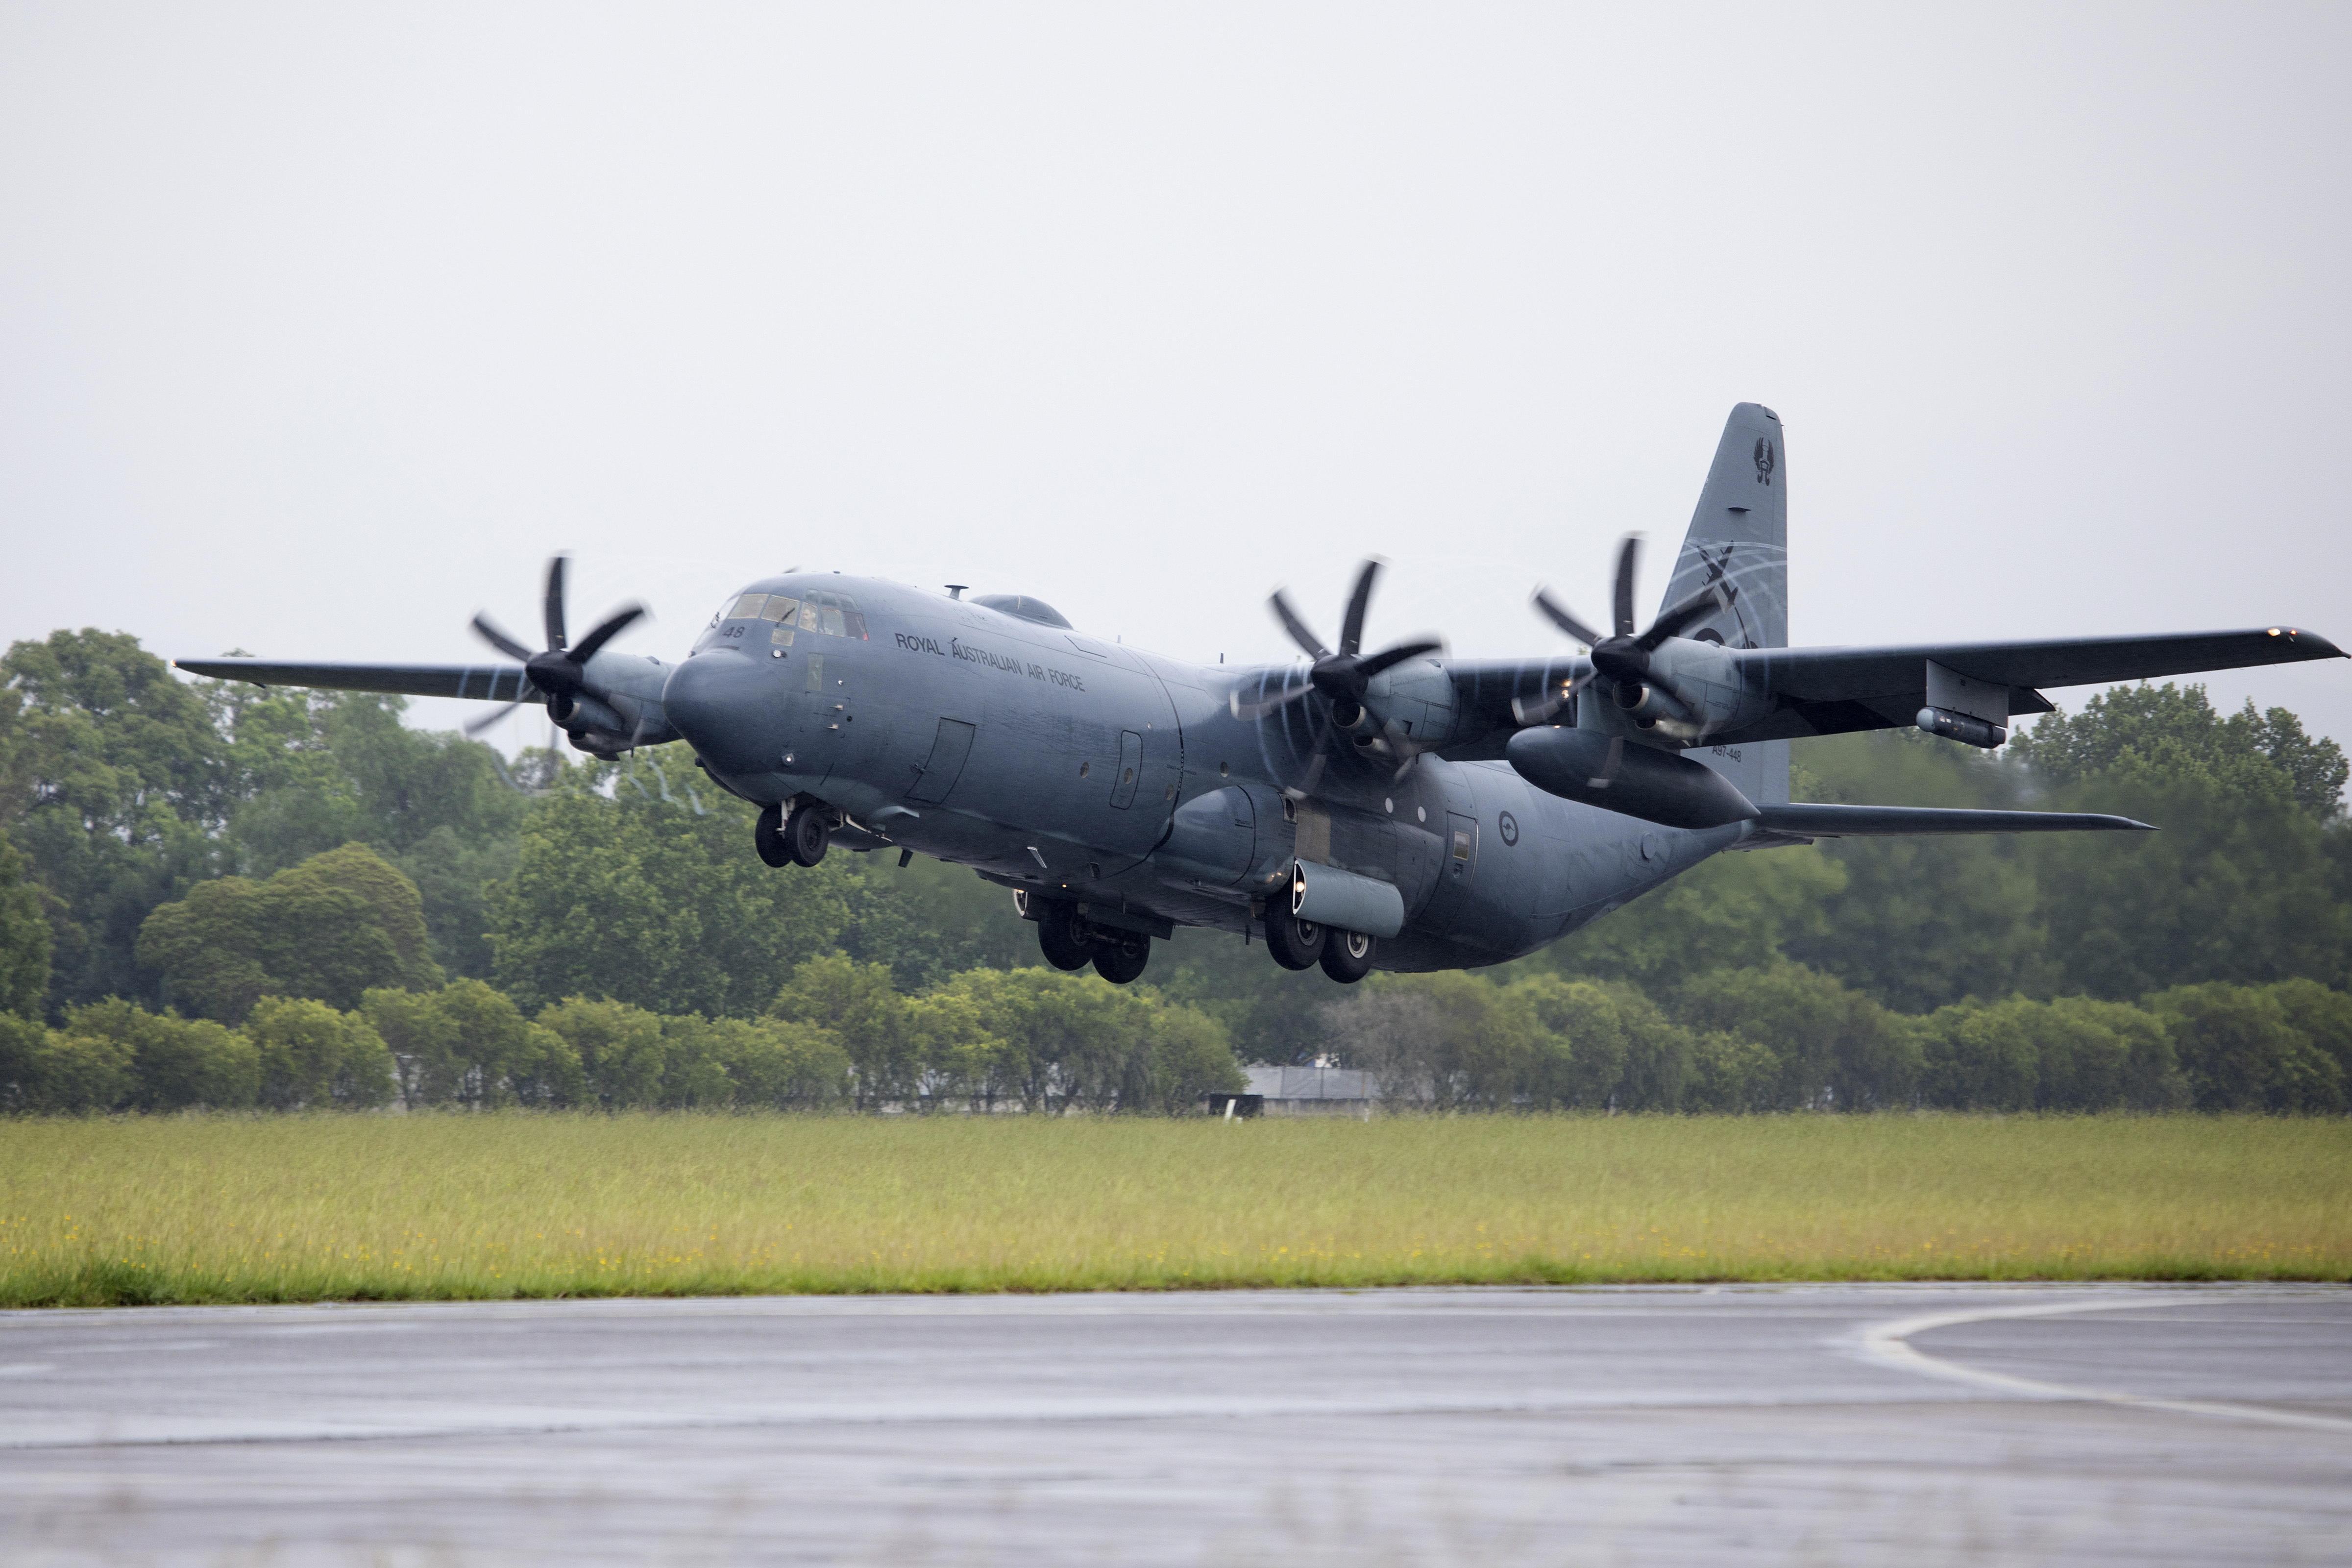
(189, 850)
(840, 1035)
(1791, 1038)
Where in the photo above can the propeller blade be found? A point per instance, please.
(1558, 616)
(490, 632)
(1531, 711)
(613, 626)
(475, 726)
(1670, 623)
(1297, 627)
(1351, 626)
(1250, 713)
(1390, 657)
(1314, 773)
(1629, 558)
(554, 605)
(1607, 773)
(1402, 746)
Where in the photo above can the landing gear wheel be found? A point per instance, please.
(1125, 961)
(807, 834)
(1058, 938)
(1347, 955)
(1295, 944)
(768, 836)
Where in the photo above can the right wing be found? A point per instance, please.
(486, 682)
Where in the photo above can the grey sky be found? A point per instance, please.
(320, 327)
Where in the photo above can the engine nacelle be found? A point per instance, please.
(1621, 775)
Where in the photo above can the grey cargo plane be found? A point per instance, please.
(1396, 809)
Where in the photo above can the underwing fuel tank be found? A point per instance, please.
(1624, 776)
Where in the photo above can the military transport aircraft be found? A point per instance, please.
(1396, 809)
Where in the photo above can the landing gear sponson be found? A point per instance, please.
(1070, 941)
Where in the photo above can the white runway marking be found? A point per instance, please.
(1889, 1344)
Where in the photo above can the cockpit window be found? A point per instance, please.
(826, 614)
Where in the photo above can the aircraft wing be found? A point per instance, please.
(1888, 821)
(1830, 690)
(488, 682)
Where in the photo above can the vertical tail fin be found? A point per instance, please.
(1739, 538)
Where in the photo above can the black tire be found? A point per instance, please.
(807, 834)
(1058, 938)
(1347, 955)
(1125, 960)
(1295, 944)
(768, 836)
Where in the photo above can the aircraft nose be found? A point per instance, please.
(729, 708)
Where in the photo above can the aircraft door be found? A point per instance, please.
(1130, 769)
(945, 764)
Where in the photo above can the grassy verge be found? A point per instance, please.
(195, 1209)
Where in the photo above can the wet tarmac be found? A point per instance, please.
(1918, 1425)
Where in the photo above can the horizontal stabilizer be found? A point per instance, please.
(486, 682)
(1812, 821)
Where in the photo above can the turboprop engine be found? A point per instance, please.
(1616, 774)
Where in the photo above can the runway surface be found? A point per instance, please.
(1814, 1425)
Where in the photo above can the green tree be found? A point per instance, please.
(1734, 911)
(621, 1049)
(2242, 1052)
(24, 939)
(2232, 889)
(116, 783)
(1920, 922)
(861, 1009)
(782, 1066)
(1579, 1044)
(174, 1063)
(1836, 1048)
(43, 1071)
(1730, 1075)
(467, 1044)
(2169, 735)
(313, 1056)
(328, 928)
(315, 769)
(1191, 1056)
(645, 902)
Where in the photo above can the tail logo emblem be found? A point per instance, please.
(1765, 461)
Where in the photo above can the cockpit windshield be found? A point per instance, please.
(826, 614)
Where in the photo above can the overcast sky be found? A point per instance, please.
(322, 326)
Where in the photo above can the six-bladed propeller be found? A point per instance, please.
(1621, 658)
(1343, 676)
(560, 672)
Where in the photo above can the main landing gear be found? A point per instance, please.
(1071, 942)
(797, 840)
(1345, 955)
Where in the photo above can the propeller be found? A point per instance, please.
(1621, 658)
(1343, 676)
(561, 672)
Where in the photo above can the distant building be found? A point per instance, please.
(1316, 1090)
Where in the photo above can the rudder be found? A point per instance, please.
(1739, 538)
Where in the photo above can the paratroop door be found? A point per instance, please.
(945, 764)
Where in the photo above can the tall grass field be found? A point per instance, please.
(198, 1209)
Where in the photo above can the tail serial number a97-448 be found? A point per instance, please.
(1389, 809)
